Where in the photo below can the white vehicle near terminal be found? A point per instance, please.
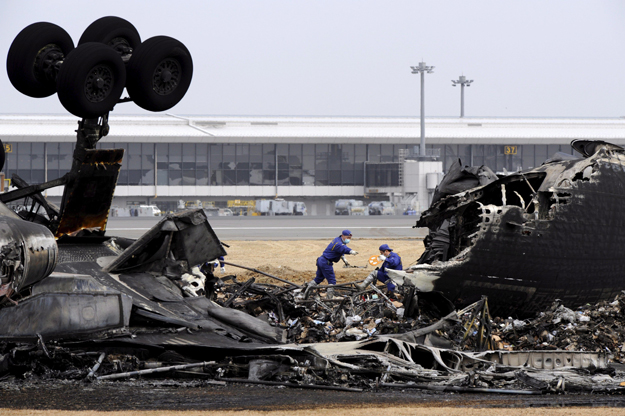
(381, 208)
(148, 211)
(218, 212)
(350, 207)
(136, 211)
(280, 206)
(299, 208)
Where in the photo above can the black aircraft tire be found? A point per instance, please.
(31, 58)
(91, 80)
(159, 73)
(112, 31)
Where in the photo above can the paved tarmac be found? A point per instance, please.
(285, 227)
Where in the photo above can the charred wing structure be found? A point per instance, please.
(105, 287)
(528, 238)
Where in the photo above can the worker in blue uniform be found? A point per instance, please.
(220, 262)
(391, 261)
(333, 253)
(209, 269)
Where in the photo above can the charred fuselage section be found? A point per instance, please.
(28, 253)
(528, 238)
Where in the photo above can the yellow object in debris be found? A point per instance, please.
(374, 260)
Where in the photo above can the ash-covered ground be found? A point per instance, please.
(173, 394)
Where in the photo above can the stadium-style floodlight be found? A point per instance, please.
(462, 81)
(422, 69)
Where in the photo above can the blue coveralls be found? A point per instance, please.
(221, 262)
(330, 255)
(393, 262)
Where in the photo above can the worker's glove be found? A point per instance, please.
(353, 252)
(223, 269)
(381, 257)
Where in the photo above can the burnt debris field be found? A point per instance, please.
(97, 310)
(518, 292)
(354, 341)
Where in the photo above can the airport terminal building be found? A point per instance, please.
(169, 158)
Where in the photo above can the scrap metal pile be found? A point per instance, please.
(599, 327)
(314, 314)
(351, 341)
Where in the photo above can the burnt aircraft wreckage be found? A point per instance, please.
(527, 238)
(61, 277)
(79, 304)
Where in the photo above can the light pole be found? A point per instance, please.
(462, 81)
(422, 69)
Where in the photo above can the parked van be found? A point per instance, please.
(350, 207)
(382, 208)
(218, 212)
(148, 211)
(299, 208)
(280, 207)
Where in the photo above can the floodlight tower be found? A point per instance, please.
(422, 69)
(462, 81)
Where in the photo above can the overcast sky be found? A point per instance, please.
(555, 58)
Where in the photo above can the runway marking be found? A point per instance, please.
(268, 228)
